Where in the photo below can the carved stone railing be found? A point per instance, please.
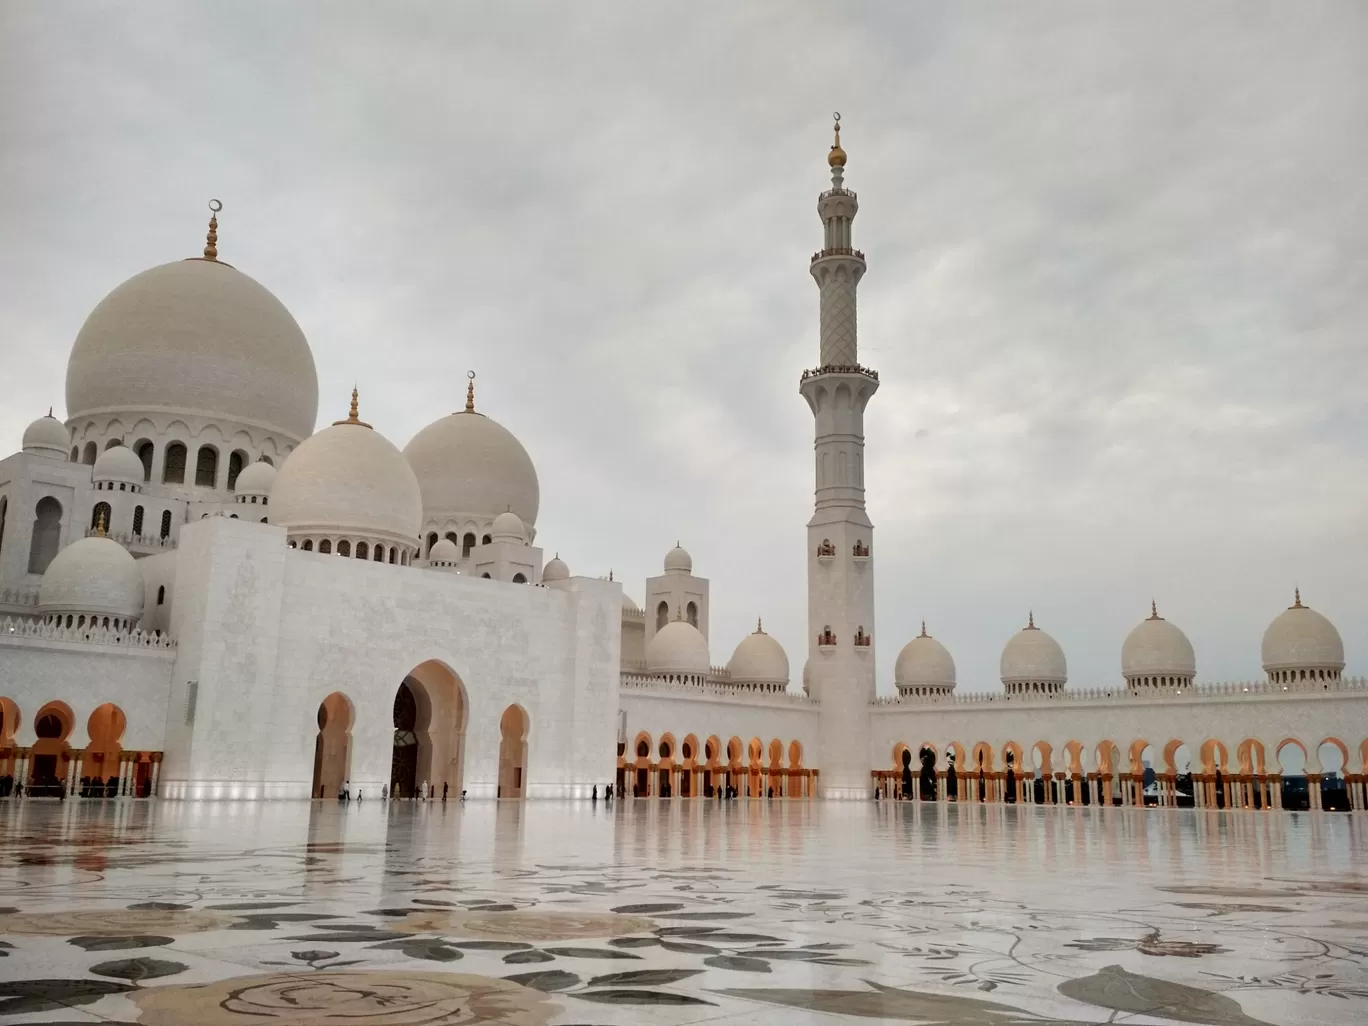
(1123, 694)
(712, 689)
(18, 596)
(143, 541)
(633, 614)
(12, 627)
(838, 368)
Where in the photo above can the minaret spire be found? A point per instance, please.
(211, 239)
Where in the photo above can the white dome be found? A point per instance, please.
(194, 336)
(469, 465)
(677, 561)
(1032, 656)
(94, 575)
(1299, 638)
(1157, 648)
(255, 479)
(628, 605)
(678, 647)
(555, 570)
(348, 479)
(924, 663)
(443, 552)
(759, 659)
(47, 436)
(507, 527)
(119, 464)
(807, 676)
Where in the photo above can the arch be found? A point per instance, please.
(306, 545)
(237, 459)
(1171, 756)
(100, 764)
(662, 614)
(344, 548)
(362, 551)
(795, 754)
(75, 454)
(1213, 756)
(47, 534)
(50, 753)
(138, 516)
(1136, 755)
(734, 750)
(666, 749)
(688, 750)
(378, 555)
(431, 541)
(712, 750)
(1339, 745)
(467, 543)
(145, 450)
(436, 728)
(325, 547)
(91, 451)
(1251, 756)
(332, 745)
(691, 613)
(513, 729)
(1043, 755)
(641, 763)
(982, 757)
(776, 753)
(900, 749)
(519, 579)
(165, 524)
(100, 515)
(206, 467)
(173, 463)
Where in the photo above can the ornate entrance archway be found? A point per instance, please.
(430, 710)
(332, 746)
(512, 752)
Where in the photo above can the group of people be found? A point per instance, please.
(50, 787)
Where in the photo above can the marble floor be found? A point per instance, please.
(660, 912)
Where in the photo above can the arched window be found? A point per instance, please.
(486, 540)
(308, 545)
(519, 579)
(485, 576)
(362, 550)
(137, 521)
(145, 451)
(174, 470)
(467, 543)
(394, 555)
(47, 534)
(379, 554)
(91, 451)
(75, 454)
(206, 466)
(236, 462)
(325, 547)
(662, 614)
(344, 548)
(431, 541)
(100, 515)
(692, 613)
(161, 594)
(166, 525)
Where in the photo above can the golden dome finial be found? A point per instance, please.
(470, 392)
(837, 156)
(353, 414)
(211, 240)
(1030, 621)
(759, 627)
(1297, 602)
(1154, 611)
(923, 634)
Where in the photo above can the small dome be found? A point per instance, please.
(255, 479)
(555, 570)
(759, 659)
(807, 676)
(678, 561)
(46, 436)
(119, 464)
(1032, 656)
(628, 605)
(348, 479)
(508, 527)
(94, 575)
(194, 336)
(924, 663)
(1157, 648)
(1299, 638)
(444, 553)
(678, 647)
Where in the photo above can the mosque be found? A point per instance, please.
(203, 597)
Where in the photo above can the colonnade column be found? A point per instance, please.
(156, 772)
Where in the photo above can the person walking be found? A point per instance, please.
(444, 792)
(594, 797)
(422, 792)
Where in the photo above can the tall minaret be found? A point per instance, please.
(840, 535)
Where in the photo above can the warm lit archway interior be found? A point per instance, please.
(430, 711)
(512, 752)
(332, 745)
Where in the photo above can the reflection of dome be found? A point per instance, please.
(46, 436)
(677, 561)
(507, 527)
(470, 465)
(348, 480)
(194, 336)
(678, 648)
(94, 576)
(924, 666)
(444, 553)
(1301, 639)
(555, 570)
(118, 465)
(255, 479)
(759, 659)
(1033, 662)
(1157, 653)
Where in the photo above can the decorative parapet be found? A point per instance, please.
(142, 541)
(836, 368)
(14, 627)
(19, 596)
(633, 614)
(1123, 694)
(717, 688)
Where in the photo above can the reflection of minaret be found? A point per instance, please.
(840, 566)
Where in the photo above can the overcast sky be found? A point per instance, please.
(1117, 287)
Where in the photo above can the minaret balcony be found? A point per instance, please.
(859, 552)
(833, 368)
(863, 641)
(826, 552)
(837, 251)
(826, 641)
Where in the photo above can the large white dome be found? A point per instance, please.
(924, 663)
(96, 576)
(198, 337)
(759, 659)
(47, 436)
(678, 648)
(1033, 657)
(469, 465)
(348, 480)
(1299, 638)
(1157, 648)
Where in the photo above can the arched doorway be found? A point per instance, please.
(512, 752)
(100, 766)
(332, 746)
(430, 711)
(9, 724)
(50, 753)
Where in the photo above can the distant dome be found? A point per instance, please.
(924, 664)
(1157, 652)
(1299, 638)
(628, 606)
(470, 465)
(255, 479)
(677, 561)
(348, 480)
(94, 576)
(678, 648)
(194, 336)
(759, 659)
(507, 527)
(444, 553)
(120, 465)
(47, 436)
(807, 676)
(1033, 662)
(555, 570)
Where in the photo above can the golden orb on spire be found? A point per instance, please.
(837, 156)
(353, 414)
(211, 239)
